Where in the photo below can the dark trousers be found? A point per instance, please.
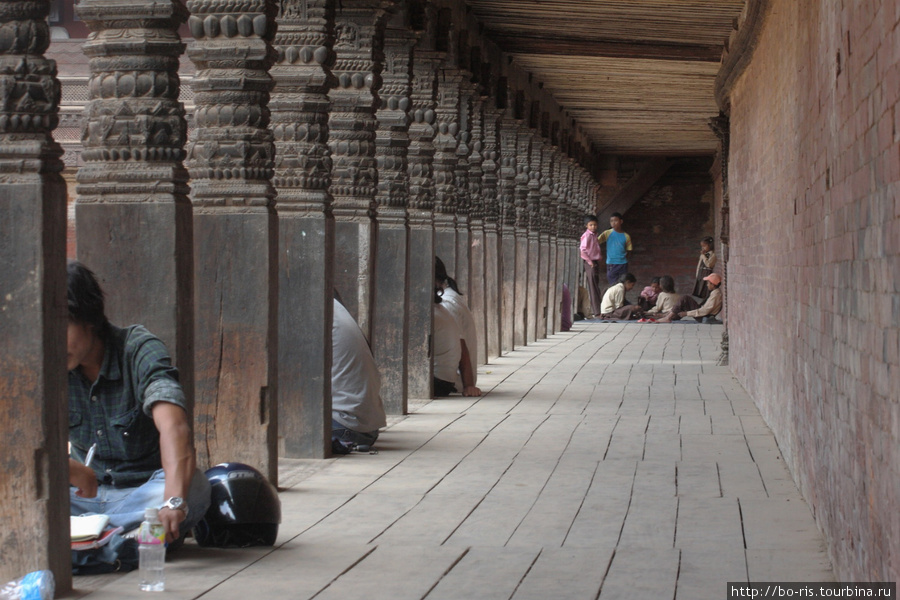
(442, 388)
(614, 272)
(593, 286)
(625, 313)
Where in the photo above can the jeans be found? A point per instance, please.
(125, 506)
(340, 432)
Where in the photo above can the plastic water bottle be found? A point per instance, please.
(37, 585)
(152, 540)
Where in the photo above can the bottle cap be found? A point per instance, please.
(151, 513)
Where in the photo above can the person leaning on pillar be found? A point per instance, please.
(126, 402)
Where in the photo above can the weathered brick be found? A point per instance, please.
(815, 194)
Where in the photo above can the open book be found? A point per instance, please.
(87, 527)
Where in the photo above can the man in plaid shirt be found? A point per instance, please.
(125, 402)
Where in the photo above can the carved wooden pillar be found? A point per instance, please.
(358, 44)
(132, 212)
(523, 171)
(445, 160)
(546, 261)
(421, 220)
(534, 243)
(461, 178)
(299, 105)
(507, 198)
(492, 281)
(230, 158)
(389, 317)
(33, 399)
(548, 238)
(476, 240)
(557, 245)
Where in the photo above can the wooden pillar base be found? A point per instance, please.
(389, 318)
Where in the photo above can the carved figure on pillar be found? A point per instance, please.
(300, 105)
(231, 161)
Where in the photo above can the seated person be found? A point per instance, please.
(125, 400)
(452, 299)
(647, 299)
(614, 305)
(356, 409)
(667, 298)
(688, 307)
(450, 356)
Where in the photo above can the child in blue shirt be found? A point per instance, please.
(618, 247)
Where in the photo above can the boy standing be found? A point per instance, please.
(618, 246)
(591, 254)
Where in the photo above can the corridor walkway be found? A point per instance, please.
(616, 459)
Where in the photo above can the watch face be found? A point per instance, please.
(175, 502)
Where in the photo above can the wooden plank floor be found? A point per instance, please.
(613, 461)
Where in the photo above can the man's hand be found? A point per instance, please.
(682, 315)
(171, 519)
(83, 478)
(471, 391)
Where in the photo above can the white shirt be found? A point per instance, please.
(355, 382)
(613, 298)
(460, 311)
(447, 349)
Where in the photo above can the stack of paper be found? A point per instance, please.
(87, 527)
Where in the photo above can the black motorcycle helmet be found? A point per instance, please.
(244, 509)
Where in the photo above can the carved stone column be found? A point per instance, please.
(535, 254)
(389, 317)
(299, 106)
(230, 158)
(492, 282)
(33, 396)
(358, 44)
(445, 161)
(523, 257)
(132, 213)
(507, 202)
(421, 224)
(476, 239)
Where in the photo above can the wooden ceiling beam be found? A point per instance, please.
(518, 44)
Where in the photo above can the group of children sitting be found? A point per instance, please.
(658, 303)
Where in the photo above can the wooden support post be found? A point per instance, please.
(359, 35)
(533, 210)
(547, 261)
(421, 221)
(391, 285)
(299, 107)
(492, 282)
(463, 264)
(445, 161)
(230, 158)
(33, 400)
(132, 213)
(476, 210)
(508, 245)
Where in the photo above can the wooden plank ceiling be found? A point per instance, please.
(637, 75)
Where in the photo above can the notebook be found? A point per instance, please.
(87, 527)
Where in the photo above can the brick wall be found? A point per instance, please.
(667, 224)
(814, 275)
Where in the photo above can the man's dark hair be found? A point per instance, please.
(655, 280)
(627, 277)
(667, 284)
(709, 241)
(85, 297)
(617, 214)
(589, 218)
(440, 274)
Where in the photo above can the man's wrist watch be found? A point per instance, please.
(176, 503)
